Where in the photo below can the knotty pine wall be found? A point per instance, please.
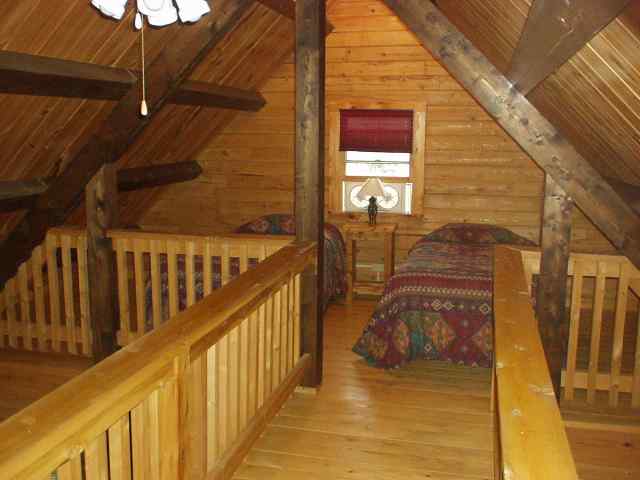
(473, 171)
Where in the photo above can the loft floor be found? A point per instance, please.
(429, 420)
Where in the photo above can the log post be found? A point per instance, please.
(552, 286)
(102, 215)
(309, 170)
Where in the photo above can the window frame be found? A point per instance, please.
(337, 158)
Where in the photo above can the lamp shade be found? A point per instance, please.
(373, 187)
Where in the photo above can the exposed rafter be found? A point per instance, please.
(25, 74)
(526, 125)
(122, 127)
(20, 194)
(554, 32)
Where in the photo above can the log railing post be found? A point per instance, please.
(309, 169)
(102, 215)
(552, 288)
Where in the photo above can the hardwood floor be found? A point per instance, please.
(27, 376)
(429, 420)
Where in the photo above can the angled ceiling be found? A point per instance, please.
(40, 134)
(594, 99)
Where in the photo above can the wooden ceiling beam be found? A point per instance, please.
(25, 74)
(20, 194)
(525, 124)
(287, 8)
(554, 32)
(165, 74)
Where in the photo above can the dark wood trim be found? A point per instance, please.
(10, 190)
(137, 178)
(25, 74)
(208, 95)
(21, 194)
(551, 294)
(119, 131)
(309, 170)
(555, 31)
(102, 215)
(525, 124)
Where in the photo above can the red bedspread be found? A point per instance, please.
(437, 306)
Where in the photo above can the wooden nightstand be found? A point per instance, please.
(359, 231)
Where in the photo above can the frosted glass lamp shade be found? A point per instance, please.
(111, 8)
(373, 187)
(159, 12)
(192, 10)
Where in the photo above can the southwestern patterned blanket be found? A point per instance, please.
(439, 304)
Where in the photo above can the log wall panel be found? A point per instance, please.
(473, 171)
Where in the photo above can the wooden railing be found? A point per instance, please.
(185, 401)
(161, 274)
(599, 292)
(531, 440)
(46, 306)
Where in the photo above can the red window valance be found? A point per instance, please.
(376, 130)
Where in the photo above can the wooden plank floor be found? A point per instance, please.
(27, 376)
(429, 420)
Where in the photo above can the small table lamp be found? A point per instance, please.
(372, 188)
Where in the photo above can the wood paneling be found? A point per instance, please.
(473, 171)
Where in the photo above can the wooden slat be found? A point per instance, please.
(554, 32)
(252, 367)
(39, 298)
(284, 329)
(72, 470)
(196, 419)
(172, 272)
(54, 291)
(69, 304)
(269, 359)
(222, 388)
(25, 305)
(207, 268)
(83, 298)
(574, 329)
(10, 308)
(190, 277)
(243, 374)
(123, 290)
(156, 282)
(596, 330)
(169, 433)
(276, 340)
(96, 461)
(139, 446)
(234, 387)
(618, 335)
(213, 407)
(119, 435)
(139, 276)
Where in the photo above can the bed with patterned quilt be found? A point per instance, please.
(439, 304)
(334, 250)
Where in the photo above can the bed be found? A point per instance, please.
(334, 282)
(438, 305)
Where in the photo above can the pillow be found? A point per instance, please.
(274, 224)
(476, 234)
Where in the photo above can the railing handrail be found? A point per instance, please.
(533, 440)
(41, 437)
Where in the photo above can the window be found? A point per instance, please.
(383, 140)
